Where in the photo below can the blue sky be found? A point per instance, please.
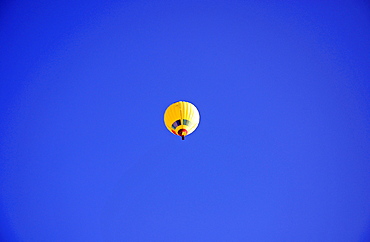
(282, 152)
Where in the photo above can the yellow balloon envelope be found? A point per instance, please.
(181, 118)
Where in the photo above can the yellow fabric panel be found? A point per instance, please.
(179, 111)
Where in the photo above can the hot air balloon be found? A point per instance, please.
(181, 118)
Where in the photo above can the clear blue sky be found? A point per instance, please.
(282, 152)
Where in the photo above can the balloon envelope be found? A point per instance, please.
(181, 118)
